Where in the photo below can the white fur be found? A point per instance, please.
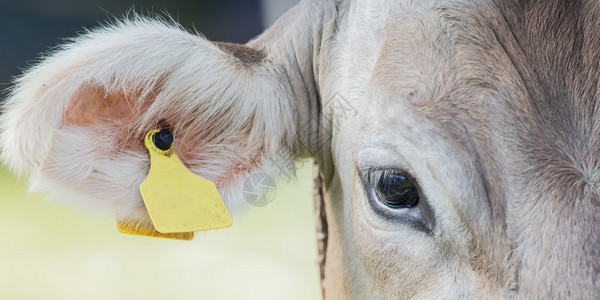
(198, 81)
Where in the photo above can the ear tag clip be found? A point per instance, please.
(178, 201)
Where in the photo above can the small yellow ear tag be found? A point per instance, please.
(177, 200)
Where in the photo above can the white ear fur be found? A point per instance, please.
(234, 115)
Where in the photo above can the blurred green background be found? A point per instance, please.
(53, 252)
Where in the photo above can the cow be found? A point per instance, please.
(458, 142)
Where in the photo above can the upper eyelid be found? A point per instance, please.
(372, 167)
(370, 158)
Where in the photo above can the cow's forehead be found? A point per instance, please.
(513, 73)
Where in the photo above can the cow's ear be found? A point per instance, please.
(75, 123)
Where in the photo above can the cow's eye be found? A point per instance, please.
(394, 189)
(397, 198)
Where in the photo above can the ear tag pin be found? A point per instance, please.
(178, 201)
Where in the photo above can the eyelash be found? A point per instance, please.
(373, 175)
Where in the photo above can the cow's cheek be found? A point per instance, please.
(399, 260)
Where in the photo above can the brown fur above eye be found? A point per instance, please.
(245, 55)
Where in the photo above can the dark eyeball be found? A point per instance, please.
(394, 189)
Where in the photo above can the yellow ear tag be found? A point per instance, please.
(177, 200)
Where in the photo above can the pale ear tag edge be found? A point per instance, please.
(147, 229)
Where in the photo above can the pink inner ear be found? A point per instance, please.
(114, 114)
(91, 106)
(110, 114)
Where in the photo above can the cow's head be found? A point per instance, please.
(458, 142)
